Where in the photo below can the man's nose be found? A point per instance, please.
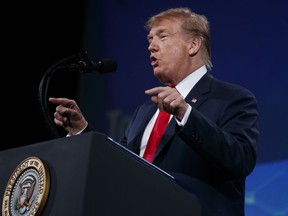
(152, 46)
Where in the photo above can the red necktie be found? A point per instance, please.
(156, 134)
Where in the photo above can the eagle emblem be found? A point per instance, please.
(26, 189)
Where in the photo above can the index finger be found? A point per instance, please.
(63, 101)
(155, 90)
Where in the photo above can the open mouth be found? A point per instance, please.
(154, 61)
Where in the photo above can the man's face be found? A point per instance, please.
(169, 51)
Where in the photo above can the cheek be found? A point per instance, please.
(169, 54)
(177, 50)
(177, 54)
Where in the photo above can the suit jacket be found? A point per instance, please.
(216, 149)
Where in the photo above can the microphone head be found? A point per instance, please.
(105, 65)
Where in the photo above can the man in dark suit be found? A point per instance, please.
(211, 140)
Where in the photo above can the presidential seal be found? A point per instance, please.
(27, 189)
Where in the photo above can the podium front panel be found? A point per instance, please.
(92, 175)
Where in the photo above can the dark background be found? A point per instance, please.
(38, 35)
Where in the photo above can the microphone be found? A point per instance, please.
(86, 65)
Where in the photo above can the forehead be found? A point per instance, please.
(170, 25)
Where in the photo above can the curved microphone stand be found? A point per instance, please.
(44, 86)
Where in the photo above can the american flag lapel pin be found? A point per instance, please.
(194, 100)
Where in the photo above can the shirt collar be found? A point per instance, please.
(185, 86)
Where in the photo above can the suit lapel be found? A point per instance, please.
(200, 91)
(146, 113)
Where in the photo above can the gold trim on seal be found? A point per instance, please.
(27, 190)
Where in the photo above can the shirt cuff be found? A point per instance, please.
(185, 118)
(70, 134)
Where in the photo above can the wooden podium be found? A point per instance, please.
(90, 174)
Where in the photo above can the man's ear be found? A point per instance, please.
(194, 46)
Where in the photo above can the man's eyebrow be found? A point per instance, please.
(159, 31)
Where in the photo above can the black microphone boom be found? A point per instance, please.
(86, 65)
